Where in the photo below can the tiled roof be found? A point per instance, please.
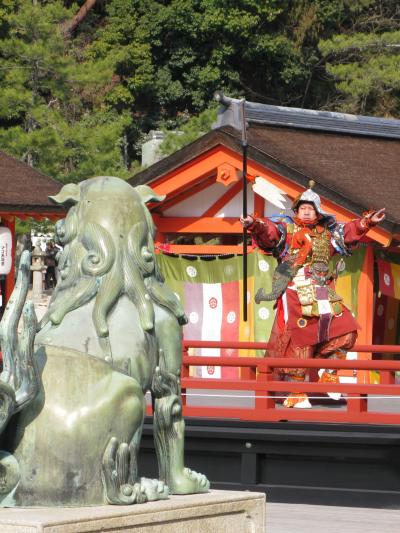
(354, 169)
(25, 189)
(230, 114)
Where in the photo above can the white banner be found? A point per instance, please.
(5, 250)
(211, 327)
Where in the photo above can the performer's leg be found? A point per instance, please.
(298, 375)
(335, 348)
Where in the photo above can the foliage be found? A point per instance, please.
(24, 227)
(190, 130)
(52, 109)
(365, 61)
(80, 105)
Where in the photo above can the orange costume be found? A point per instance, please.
(311, 318)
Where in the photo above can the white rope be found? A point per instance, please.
(254, 397)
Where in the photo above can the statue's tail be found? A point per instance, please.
(19, 380)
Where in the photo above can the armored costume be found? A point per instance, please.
(311, 318)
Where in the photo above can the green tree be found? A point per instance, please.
(364, 60)
(190, 130)
(82, 83)
(52, 110)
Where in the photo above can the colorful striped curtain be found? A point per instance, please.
(389, 278)
(386, 317)
(210, 291)
(347, 282)
(387, 304)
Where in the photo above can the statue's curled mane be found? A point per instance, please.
(102, 262)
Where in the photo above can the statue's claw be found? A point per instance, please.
(115, 474)
(119, 487)
(154, 489)
(189, 482)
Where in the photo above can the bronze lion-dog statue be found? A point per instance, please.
(74, 394)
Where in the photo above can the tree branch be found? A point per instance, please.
(69, 26)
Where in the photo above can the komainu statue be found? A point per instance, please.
(111, 333)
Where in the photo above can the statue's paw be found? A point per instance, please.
(154, 489)
(119, 488)
(129, 494)
(189, 482)
(10, 475)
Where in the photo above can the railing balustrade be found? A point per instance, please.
(257, 378)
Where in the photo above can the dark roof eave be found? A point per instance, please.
(303, 180)
(231, 137)
(12, 208)
(230, 113)
(182, 156)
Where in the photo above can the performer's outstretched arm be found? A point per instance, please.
(356, 229)
(264, 232)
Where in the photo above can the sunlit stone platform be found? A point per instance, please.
(217, 511)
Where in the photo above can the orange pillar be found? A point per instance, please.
(9, 222)
(365, 308)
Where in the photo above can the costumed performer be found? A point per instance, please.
(311, 318)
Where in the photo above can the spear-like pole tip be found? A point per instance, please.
(220, 97)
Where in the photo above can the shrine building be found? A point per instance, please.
(354, 161)
(24, 193)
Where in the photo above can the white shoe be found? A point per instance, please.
(297, 400)
(305, 404)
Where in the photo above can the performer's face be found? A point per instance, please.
(307, 213)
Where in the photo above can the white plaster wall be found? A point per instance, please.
(197, 204)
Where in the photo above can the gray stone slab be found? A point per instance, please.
(214, 512)
(296, 518)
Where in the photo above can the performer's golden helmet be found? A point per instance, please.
(309, 197)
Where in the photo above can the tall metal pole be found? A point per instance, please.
(244, 148)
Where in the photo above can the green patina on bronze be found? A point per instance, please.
(112, 332)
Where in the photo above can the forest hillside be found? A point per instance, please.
(82, 83)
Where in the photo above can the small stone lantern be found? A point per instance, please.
(38, 268)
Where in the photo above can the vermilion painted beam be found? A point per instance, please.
(365, 307)
(187, 174)
(197, 225)
(276, 386)
(9, 222)
(263, 363)
(272, 415)
(223, 200)
(209, 161)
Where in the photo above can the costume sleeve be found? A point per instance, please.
(265, 234)
(355, 230)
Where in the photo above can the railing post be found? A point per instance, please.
(387, 377)
(248, 372)
(262, 404)
(357, 404)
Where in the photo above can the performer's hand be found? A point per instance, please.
(378, 216)
(246, 221)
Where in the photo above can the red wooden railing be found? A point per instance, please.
(268, 393)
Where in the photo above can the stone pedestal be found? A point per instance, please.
(214, 512)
